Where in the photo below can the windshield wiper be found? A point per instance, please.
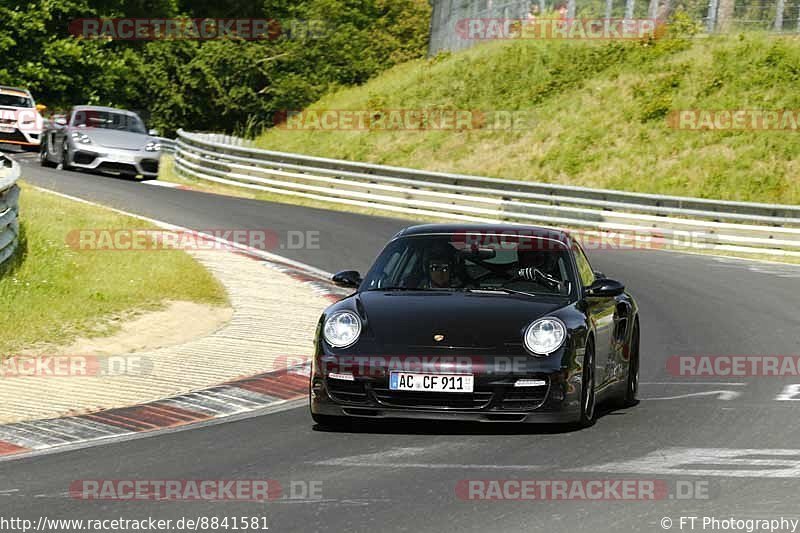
(416, 289)
(502, 289)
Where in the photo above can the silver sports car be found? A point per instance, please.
(103, 139)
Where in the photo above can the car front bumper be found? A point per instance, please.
(495, 398)
(12, 134)
(130, 162)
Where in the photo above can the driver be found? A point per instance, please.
(440, 271)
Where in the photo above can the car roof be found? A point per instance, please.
(102, 108)
(26, 92)
(491, 229)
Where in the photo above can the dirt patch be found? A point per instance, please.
(178, 323)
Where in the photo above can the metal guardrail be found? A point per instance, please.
(685, 222)
(9, 207)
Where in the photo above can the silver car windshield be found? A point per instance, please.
(108, 120)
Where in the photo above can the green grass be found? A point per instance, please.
(53, 294)
(600, 115)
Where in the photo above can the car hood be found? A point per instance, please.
(126, 140)
(406, 322)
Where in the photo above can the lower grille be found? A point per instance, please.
(83, 158)
(523, 398)
(346, 391)
(149, 165)
(117, 167)
(15, 136)
(433, 400)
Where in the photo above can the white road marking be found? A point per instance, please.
(782, 270)
(789, 393)
(388, 459)
(720, 394)
(723, 462)
(166, 184)
(712, 383)
(363, 464)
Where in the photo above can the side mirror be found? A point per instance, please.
(599, 275)
(605, 288)
(347, 278)
(40, 107)
(60, 121)
(153, 133)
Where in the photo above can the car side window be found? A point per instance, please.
(584, 268)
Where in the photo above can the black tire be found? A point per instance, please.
(43, 156)
(632, 383)
(588, 392)
(65, 156)
(331, 421)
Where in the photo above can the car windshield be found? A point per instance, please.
(15, 100)
(108, 120)
(510, 264)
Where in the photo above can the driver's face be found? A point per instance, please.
(440, 273)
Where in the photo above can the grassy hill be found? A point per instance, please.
(599, 113)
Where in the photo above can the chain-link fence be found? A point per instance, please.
(712, 15)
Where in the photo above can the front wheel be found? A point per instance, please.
(632, 385)
(65, 163)
(588, 394)
(43, 160)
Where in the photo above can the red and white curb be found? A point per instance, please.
(233, 398)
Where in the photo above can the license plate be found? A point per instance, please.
(412, 381)
(6, 129)
(125, 158)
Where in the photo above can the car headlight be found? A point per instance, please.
(81, 137)
(153, 147)
(342, 329)
(545, 336)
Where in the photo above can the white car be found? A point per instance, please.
(21, 121)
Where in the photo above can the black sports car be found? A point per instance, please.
(487, 323)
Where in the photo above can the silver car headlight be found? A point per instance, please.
(153, 147)
(342, 329)
(545, 336)
(81, 137)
